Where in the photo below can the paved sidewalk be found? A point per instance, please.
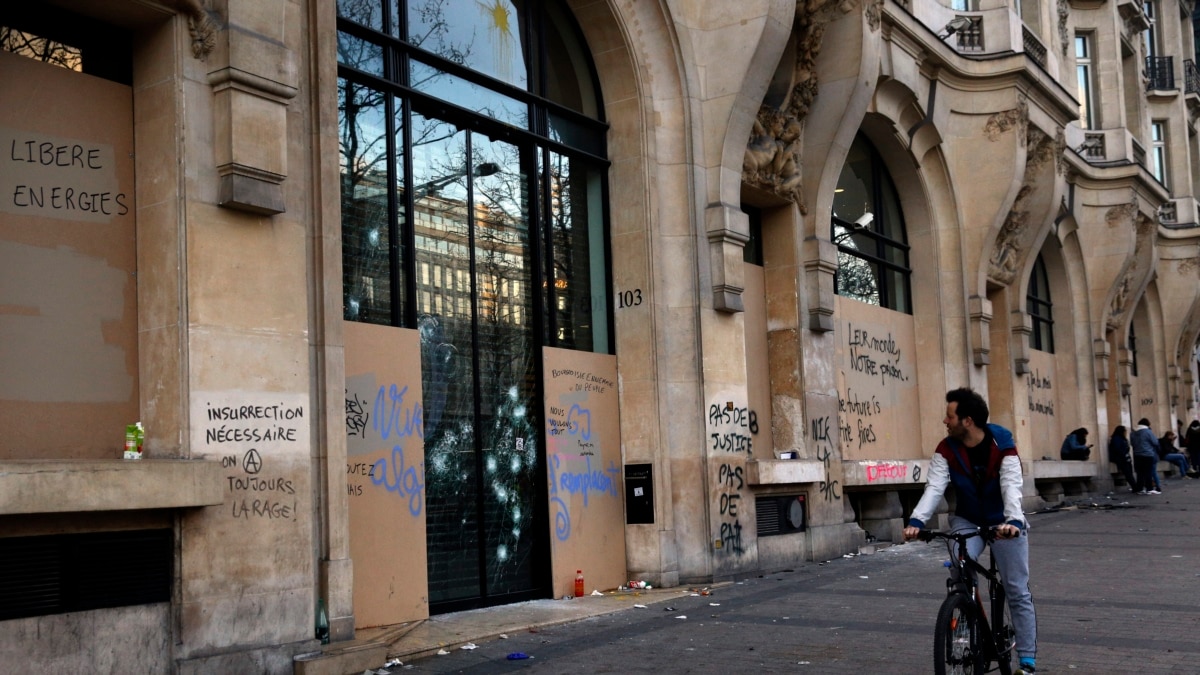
(1115, 581)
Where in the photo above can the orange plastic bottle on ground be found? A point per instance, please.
(579, 583)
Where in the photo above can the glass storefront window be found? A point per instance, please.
(473, 193)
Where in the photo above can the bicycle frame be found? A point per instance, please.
(964, 573)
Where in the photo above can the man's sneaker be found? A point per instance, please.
(1155, 492)
(1026, 668)
(1143, 492)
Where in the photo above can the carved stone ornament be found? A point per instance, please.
(1062, 166)
(1120, 299)
(200, 24)
(874, 12)
(1120, 215)
(1007, 255)
(1144, 228)
(1042, 150)
(1006, 120)
(1012, 243)
(1064, 37)
(772, 160)
(774, 151)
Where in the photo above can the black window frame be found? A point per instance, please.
(395, 86)
(881, 243)
(1040, 307)
(1131, 343)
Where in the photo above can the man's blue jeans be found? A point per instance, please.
(1180, 460)
(1012, 559)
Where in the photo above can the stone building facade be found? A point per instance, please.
(427, 305)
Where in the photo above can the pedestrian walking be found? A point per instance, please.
(980, 461)
(1145, 458)
(1118, 453)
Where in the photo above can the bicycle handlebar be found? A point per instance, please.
(989, 535)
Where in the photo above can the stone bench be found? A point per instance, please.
(1045, 469)
(1165, 468)
(1056, 478)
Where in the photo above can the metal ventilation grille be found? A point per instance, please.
(780, 514)
(76, 572)
(768, 516)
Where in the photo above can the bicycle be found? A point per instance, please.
(964, 641)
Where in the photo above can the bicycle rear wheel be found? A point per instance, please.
(956, 643)
(1004, 636)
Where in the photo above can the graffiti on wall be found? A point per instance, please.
(877, 371)
(878, 411)
(1041, 392)
(731, 432)
(248, 432)
(732, 429)
(573, 440)
(877, 473)
(377, 436)
(821, 434)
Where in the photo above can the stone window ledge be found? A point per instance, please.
(784, 471)
(69, 486)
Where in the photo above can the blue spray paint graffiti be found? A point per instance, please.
(392, 416)
(573, 483)
(396, 476)
(562, 519)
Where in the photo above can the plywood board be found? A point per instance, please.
(68, 298)
(583, 457)
(385, 472)
(879, 411)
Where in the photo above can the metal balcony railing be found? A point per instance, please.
(1191, 77)
(1160, 73)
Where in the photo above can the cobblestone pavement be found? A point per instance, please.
(1115, 581)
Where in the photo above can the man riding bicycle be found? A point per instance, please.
(980, 460)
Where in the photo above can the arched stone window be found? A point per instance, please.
(868, 228)
(1040, 307)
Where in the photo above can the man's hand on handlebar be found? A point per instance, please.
(1007, 531)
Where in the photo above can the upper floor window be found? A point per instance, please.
(1158, 150)
(1150, 35)
(1131, 344)
(1040, 308)
(1084, 75)
(456, 117)
(868, 228)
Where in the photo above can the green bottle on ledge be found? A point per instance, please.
(322, 622)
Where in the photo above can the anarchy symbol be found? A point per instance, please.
(252, 462)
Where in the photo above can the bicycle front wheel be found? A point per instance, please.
(1004, 637)
(956, 644)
